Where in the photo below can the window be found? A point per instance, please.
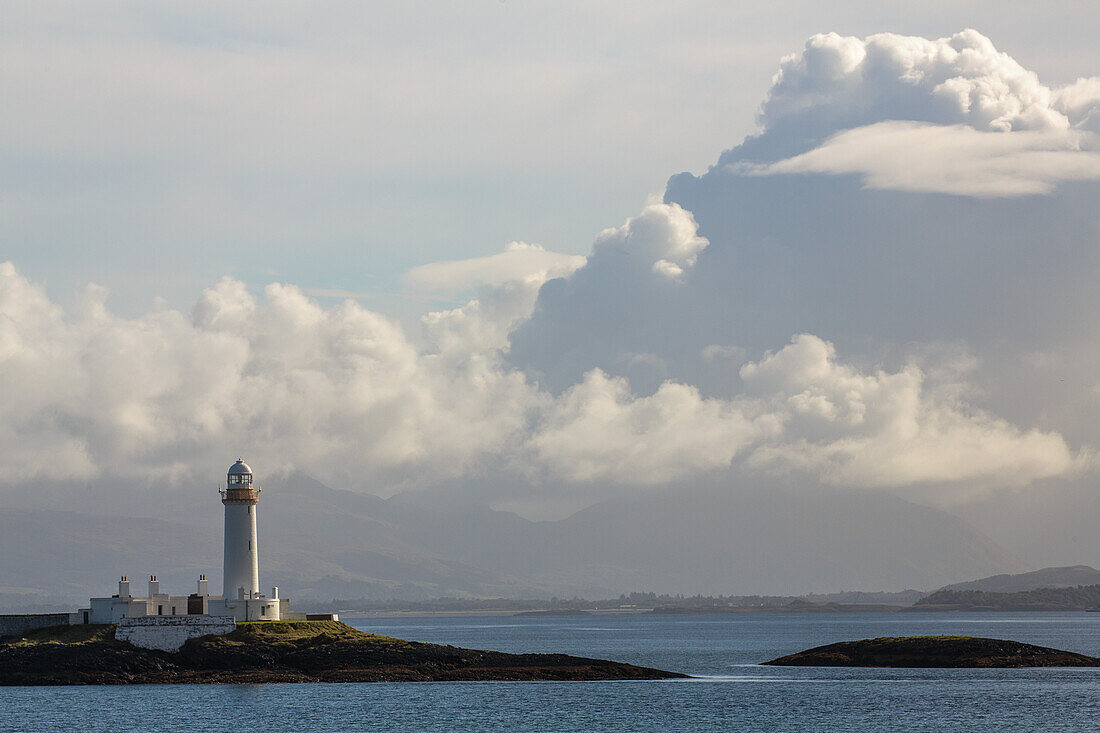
(263, 610)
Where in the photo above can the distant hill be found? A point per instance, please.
(50, 557)
(1079, 598)
(1051, 524)
(734, 540)
(321, 544)
(53, 559)
(1064, 577)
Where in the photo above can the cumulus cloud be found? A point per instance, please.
(344, 394)
(1080, 103)
(951, 115)
(806, 227)
(886, 429)
(801, 411)
(598, 309)
(599, 430)
(954, 159)
(340, 391)
(628, 367)
(664, 235)
(848, 82)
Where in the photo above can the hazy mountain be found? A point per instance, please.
(723, 541)
(55, 556)
(1069, 577)
(320, 543)
(1052, 524)
(315, 543)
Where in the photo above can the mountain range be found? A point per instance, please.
(318, 543)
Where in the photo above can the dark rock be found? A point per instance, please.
(934, 651)
(277, 651)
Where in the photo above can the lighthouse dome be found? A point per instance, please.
(238, 468)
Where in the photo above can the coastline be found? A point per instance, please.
(283, 651)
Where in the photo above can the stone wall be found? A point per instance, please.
(168, 633)
(17, 623)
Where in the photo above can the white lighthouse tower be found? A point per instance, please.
(200, 613)
(241, 566)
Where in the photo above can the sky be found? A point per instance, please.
(153, 148)
(538, 255)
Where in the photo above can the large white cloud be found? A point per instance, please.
(884, 266)
(794, 245)
(952, 115)
(846, 81)
(339, 391)
(885, 429)
(600, 431)
(344, 394)
(594, 374)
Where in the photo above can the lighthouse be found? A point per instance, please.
(241, 563)
(197, 614)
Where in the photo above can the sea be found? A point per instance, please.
(730, 690)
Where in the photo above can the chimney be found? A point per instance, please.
(204, 586)
(124, 587)
(275, 592)
(154, 586)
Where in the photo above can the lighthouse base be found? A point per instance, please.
(250, 609)
(169, 633)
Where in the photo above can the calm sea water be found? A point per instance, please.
(732, 693)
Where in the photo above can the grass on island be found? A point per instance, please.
(296, 633)
(895, 639)
(79, 634)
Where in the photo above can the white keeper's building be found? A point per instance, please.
(241, 598)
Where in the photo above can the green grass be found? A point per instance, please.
(79, 634)
(892, 639)
(294, 632)
(293, 629)
(258, 633)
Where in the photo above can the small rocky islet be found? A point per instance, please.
(282, 651)
(934, 652)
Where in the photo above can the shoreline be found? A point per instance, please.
(283, 651)
(662, 611)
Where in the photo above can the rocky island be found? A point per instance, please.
(280, 651)
(934, 651)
